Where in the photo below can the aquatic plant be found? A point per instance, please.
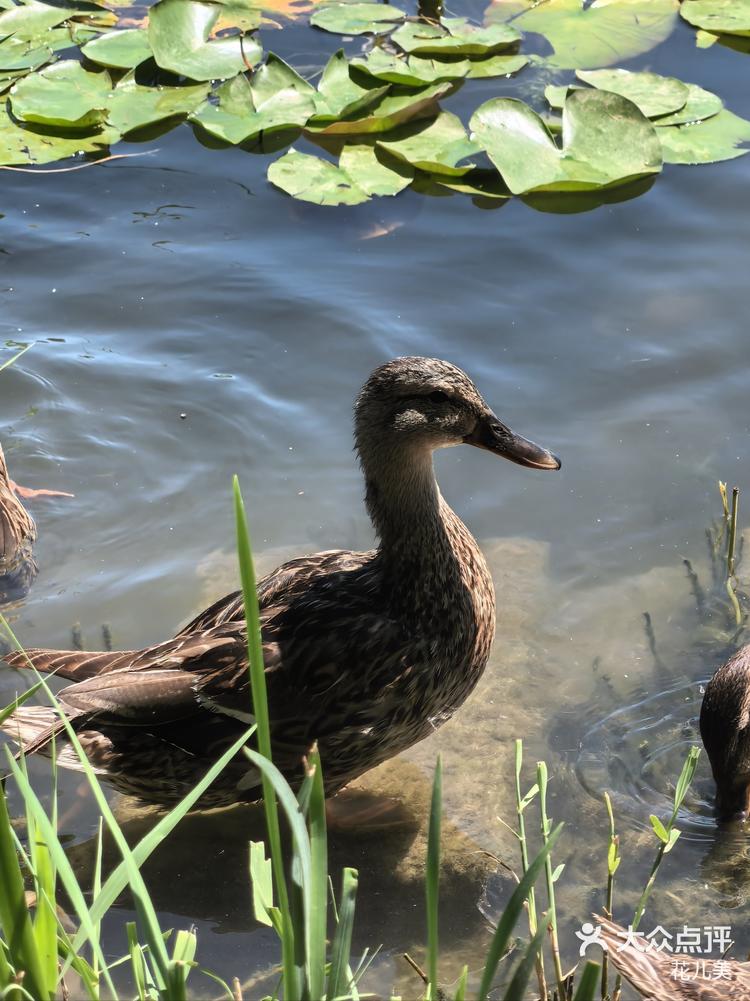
(378, 112)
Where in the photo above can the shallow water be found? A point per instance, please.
(191, 322)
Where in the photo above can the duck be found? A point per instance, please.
(725, 732)
(662, 976)
(17, 536)
(365, 653)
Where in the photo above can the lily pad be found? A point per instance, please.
(29, 22)
(700, 104)
(278, 98)
(714, 139)
(655, 95)
(362, 163)
(606, 141)
(411, 72)
(119, 49)
(20, 146)
(435, 147)
(339, 95)
(492, 66)
(399, 105)
(726, 17)
(357, 18)
(589, 36)
(454, 36)
(18, 55)
(132, 106)
(178, 32)
(311, 178)
(64, 95)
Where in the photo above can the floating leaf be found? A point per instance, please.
(20, 146)
(278, 98)
(598, 34)
(64, 94)
(132, 106)
(18, 55)
(729, 17)
(362, 164)
(28, 21)
(716, 138)
(242, 15)
(606, 140)
(119, 49)
(700, 104)
(481, 184)
(178, 33)
(492, 66)
(312, 179)
(412, 72)
(454, 36)
(655, 95)
(436, 147)
(339, 95)
(357, 18)
(399, 105)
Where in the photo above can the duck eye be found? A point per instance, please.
(438, 397)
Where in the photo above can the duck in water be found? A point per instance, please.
(365, 652)
(725, 731)
(17, 535)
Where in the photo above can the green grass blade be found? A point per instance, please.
(292, 986)
(318, 888)
(338, 978)
(511, 914)
(517, 986)
(14, 915)
(11, 361)
(588, 985)
(463, 980)
(19, 701)
(432, 879)
(261, 881)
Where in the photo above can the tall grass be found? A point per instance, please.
(291, 891)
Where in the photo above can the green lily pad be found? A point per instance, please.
(362, 164)
(588, 37)
(18, 55)
(21, 147)
(357, 18)
(606, 141)
(399, 105)
(30, 21)
(478, 184)
(313, 179)
(726, 17)
(64, 95)
(435, 147)
(178, 32)
(339, 95)
(492, 66)
(132, 106)
(412, 72)
(454, 36)
(716, 138)
(655, 95)
(278, 98)
(700, 104)
(119, 49)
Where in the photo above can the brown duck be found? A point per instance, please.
(725, 731)
(366, 653)
(660, 976)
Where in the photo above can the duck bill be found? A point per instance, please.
(494, 436)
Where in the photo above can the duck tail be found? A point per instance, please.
(33, 728)
(649, 971)
(74, 665)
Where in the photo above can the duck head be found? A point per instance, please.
(421, 404)
(725, 731)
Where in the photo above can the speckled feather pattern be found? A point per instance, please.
(17, 535)
(365, 653)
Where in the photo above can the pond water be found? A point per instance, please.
(191, 322)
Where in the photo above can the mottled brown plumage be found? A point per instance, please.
(365, 653)
(725, 730)
(17, 535)
(663, 976)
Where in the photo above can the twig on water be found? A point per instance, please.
(79, 166)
